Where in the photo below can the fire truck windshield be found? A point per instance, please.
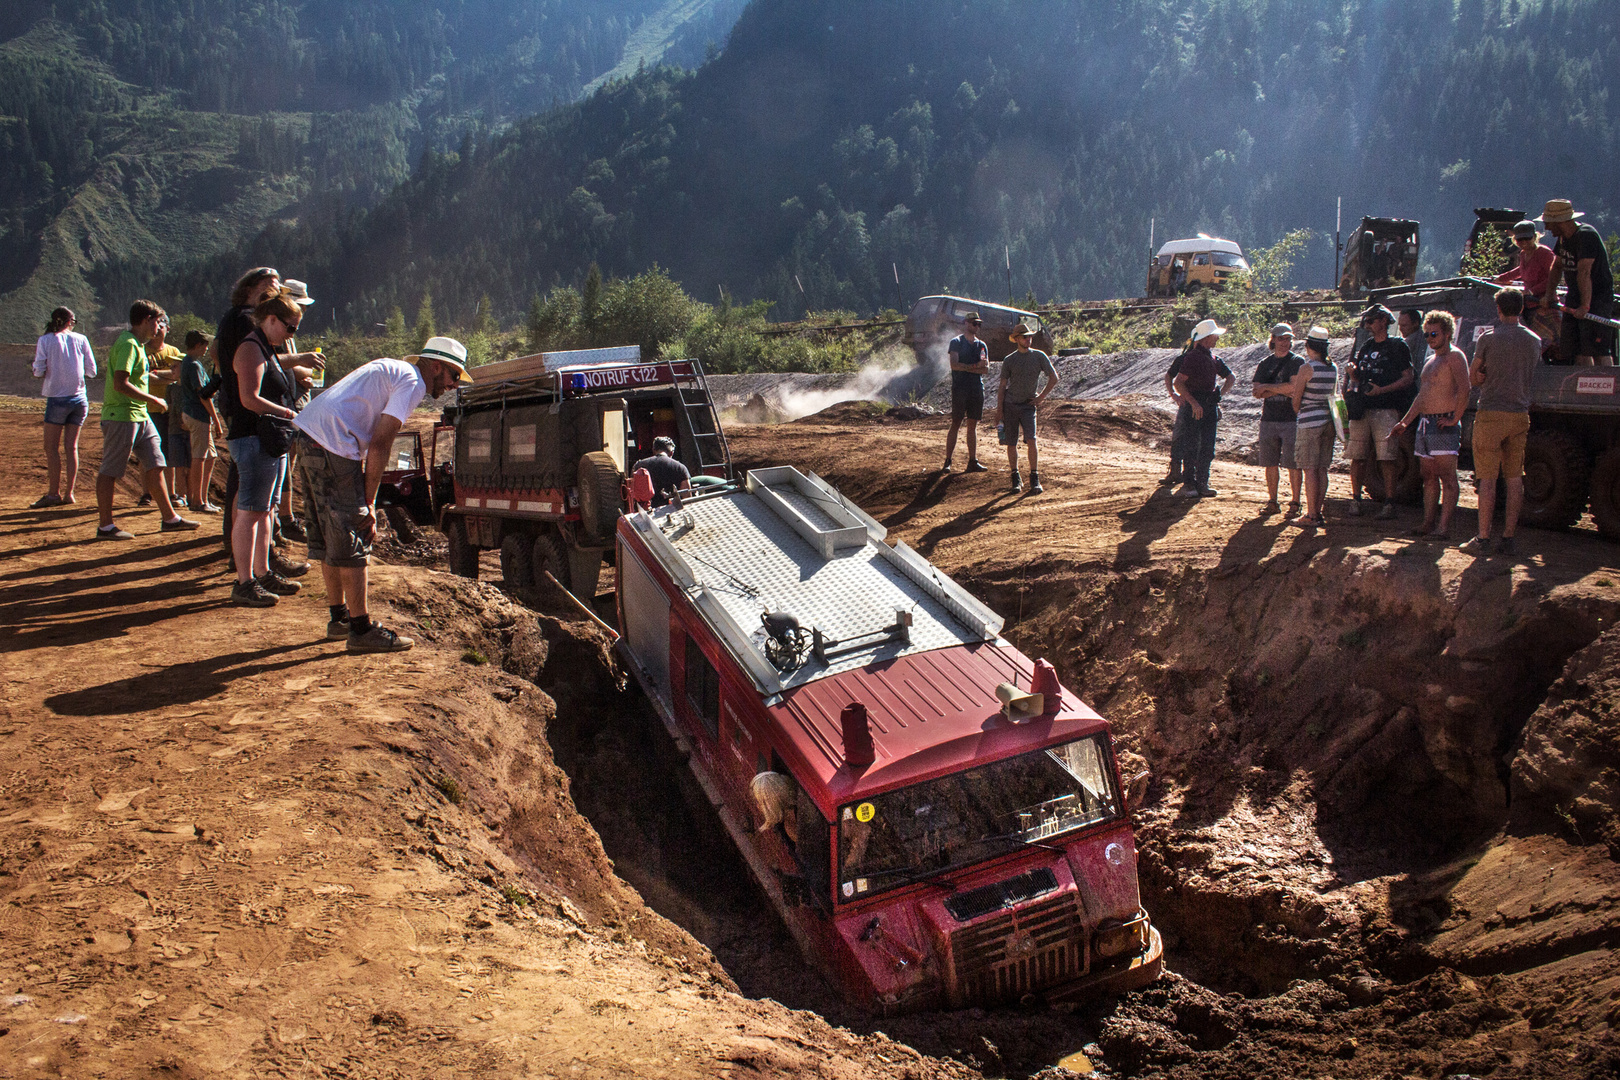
(926, 829)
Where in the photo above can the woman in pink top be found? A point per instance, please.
(1535, 265)
(64, 360)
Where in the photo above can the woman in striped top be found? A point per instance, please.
(1313, 437)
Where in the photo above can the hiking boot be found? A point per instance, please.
(337, 630)
(976, 465)
(113, 532)
(1017, 484)
(276, 584)
(1189, 491)
(1505, 546)
(180, 524)
(1387, 512)
(1207, 492)
(378, 639)
(293, 529)
(1035, 483)
(285, 568)
(1354, 509)
(252, 594)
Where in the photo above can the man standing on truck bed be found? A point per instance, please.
(970, 363)
(345, 440)
(1016, 401)
(668, 475)
(1438, 411)
(1381, 377)
(1583, 265)
(1503, 361)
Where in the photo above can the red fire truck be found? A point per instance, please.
(541, 447)
(933, 835)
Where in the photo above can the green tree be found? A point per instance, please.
(395, 343)
(590, 307)
(424, 327)
(1269, 267)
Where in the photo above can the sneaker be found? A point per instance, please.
(279, 586)
(337, 630)
(181, 503)
(1270, 508)
(1387, 512)
(1207, 492)
(44, 501)
(293, 529)
(1188, 491)
(205, 509)
(1017, 484)
(1505, 546)
(180, 524)
(252, 594)
(1035, 484)
(145, 500)
(976, 466)
(379, 639)
(1476, 546)
(285, 568)
(1354, 509)
(946, 467)
(113, 532)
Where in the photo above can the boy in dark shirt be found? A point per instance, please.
(668, 475)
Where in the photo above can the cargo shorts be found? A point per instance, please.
(334, 493)
(121, 438)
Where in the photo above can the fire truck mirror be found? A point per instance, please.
(1136, 790)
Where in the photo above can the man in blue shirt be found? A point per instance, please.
(970, 363)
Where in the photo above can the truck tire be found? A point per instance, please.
(1408, 476)
(1556, 475)
(463, 556)
(550, 556)
(584, 571)
(1606, 494)
(599, 490)
(517, 562)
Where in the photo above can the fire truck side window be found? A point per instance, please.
(703, 688)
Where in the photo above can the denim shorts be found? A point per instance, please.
(259, 476)
(67, 410)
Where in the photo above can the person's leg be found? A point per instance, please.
(53, 458)
(157, 486)
(104, 498)
(1431, 493)
(233, 487)
(1448, 491)
(1358, 477)
(1034, 457)
(1515, 503)
(1487, 501)
(353, 584)
(70, 460)
(972, 441)
(950, 438)
(1388, 470)
(116, 438)
(1513, 471)
(260, 529)
(1293, 486)
(1273, 477)
(242, 544)
(1206, 431)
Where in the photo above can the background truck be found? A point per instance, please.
(530, 460)
(1382, 253)
(1572, 456)
(1204, 262)
(931, 836)
(934, 320)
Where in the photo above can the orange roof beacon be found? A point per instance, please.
(939, 823)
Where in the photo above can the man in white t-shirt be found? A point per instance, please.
(345, 438)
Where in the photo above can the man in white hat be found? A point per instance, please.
(1196, 390)
(344, 443)
(1583, 265)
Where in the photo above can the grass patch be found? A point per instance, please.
(472, 656)
(451, 790)
(514, 895)
(1603, 583)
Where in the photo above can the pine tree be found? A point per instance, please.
(590, 310)
(424, 327)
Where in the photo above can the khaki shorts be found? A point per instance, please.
(1369, 437)
(201, 436)
(1499, 439)
(1313, 446)
(121, 438)
(334, 492)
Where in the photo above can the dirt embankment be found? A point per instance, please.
(227, 848)
(1379, 834)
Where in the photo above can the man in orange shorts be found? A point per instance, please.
(1503, 361)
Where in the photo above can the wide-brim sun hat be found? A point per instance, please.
(1207, 328)
(1022, 330)
(1559, 210)
(297, 292)
(446, 350)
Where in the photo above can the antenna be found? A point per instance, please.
(1338, 242)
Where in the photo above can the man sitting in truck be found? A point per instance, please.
(668, 475)
(345, 443)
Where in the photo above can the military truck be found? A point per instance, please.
(541, 446)
(1572, 457)
(1383, 253)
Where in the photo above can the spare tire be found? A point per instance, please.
(600, 485)
(1556, 475)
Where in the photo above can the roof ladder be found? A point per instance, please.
(695, 401)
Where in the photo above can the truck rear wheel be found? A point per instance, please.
(1606, 494)
(584, 570)
(550, 556)
(599, 490)
(463, 556)
(517, 562)
(1556, 475)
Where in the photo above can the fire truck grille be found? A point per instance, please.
(1019, 953)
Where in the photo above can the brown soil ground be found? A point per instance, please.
(1380, 837)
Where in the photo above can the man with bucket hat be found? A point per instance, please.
(344, 443)
(1198, 390)
(1583, 265)
(1381, 381)
(1016, 401)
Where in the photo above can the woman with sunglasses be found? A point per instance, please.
(260, 428)
(1535, 267)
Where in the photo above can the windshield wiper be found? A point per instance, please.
(916, 876)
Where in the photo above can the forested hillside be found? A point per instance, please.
(834, 141)
(137, 136)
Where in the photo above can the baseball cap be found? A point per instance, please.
(1282, 329)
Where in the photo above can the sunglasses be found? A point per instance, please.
(292, 327)
(1434, 333)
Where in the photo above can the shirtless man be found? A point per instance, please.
(1438, 411)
